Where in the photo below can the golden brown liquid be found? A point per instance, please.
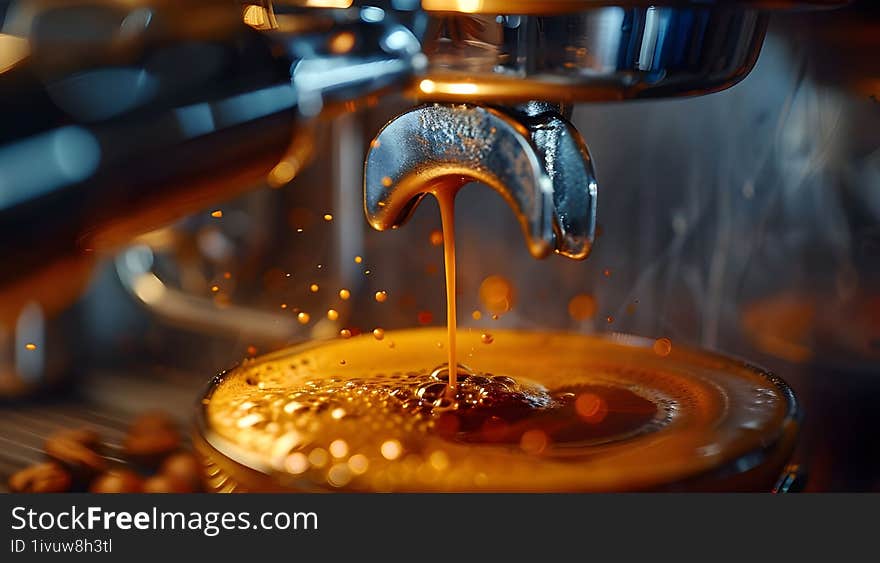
(538, 412)
(446, 201)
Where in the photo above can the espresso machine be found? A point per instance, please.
(176, 179)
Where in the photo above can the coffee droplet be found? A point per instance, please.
(497, 294)
(303, 318)
(358, 259)
(606, 272)
(344, 294)
(332, 314)
(378, 333)
(217, 214)
(662, 346)
(328, 217)
(486, 338)
(30, 346)
(386, 181)
(345, 333)
(381, 296)
(314, 288)
(436, 237)
(476, 315)
(582, 307)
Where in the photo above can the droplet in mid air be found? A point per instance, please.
(497, 294)
(582, 307)
(436, 237)
(662, 346)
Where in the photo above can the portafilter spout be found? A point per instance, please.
(530, 154)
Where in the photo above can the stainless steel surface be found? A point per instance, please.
(604, 53)
(557, 6)
(160, 110)
(534, 158)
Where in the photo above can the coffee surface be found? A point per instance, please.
(531, 411)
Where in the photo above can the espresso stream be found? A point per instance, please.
(446, 201)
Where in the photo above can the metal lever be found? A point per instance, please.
(531, 155)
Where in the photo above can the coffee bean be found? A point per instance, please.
(184, 467)
(161, 483)
(149, 449)
(151, 438)
(78, 450)
(84, 436)
(152, 420)
(117, 481)
(46, 477)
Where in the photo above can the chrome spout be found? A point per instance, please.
(531, 155)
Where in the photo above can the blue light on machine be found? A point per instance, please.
(43, 163)
(254, 105)
(104, 93)
(401, 40)
(372, 14)
(312, 77)
(195, 120)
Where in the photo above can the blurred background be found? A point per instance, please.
(746, 221)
